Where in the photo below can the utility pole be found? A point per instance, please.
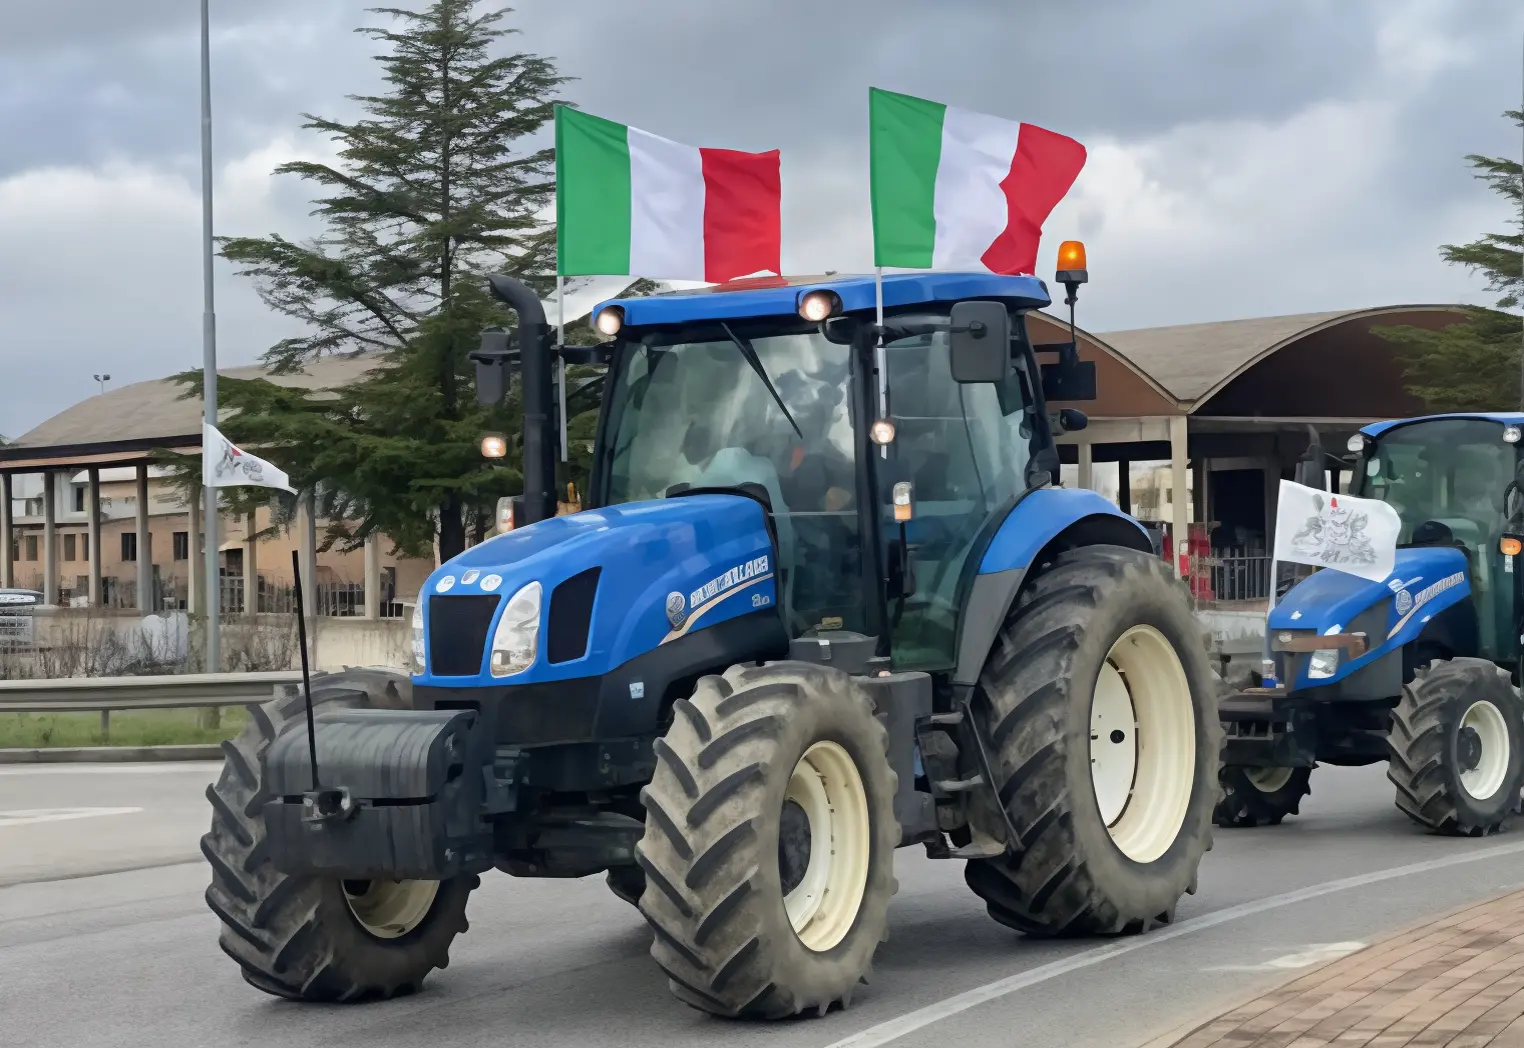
(208, 351)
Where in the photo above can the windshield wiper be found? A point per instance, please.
(755, 361)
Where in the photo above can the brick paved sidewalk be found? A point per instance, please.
(1456, 981)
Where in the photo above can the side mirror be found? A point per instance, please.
(1068, 381)
(980, 347)
(491, 360)
(1311, 468)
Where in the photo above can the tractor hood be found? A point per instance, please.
(1390, 613)
(641, 575)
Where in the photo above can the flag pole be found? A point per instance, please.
(561, 341)
(213, 584)
(880, 354)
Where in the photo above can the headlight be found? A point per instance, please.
(518, 633)
(609, 320)
(1356, 443)
(418, 636)
(1324, 663)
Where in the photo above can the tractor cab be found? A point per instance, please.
(879, 452)
(1448, 478)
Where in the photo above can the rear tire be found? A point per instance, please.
(1100, 619)
(1456, 748)
(311, 938)
(753, 915)
(1260, 796)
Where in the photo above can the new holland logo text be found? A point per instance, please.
(1428, 592)
(731, 579)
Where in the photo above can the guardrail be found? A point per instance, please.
(165, 692)
(161, 692)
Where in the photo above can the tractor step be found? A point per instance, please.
(977, 850)
(958, 785)
(945, 720)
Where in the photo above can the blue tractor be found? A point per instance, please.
(1420, 670)
(824, 601)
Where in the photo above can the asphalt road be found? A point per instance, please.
(130, 958)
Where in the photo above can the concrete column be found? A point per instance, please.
(373, 576)
(145, 554)
(50, 538)
(250, 565)
(195, 596)
(7, 533)
(1179, 487)
(1086, 465)
(307, 548)
(93, 530)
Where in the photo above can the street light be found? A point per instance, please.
(103, 379)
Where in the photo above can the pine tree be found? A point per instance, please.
(439, 181)
(1473, 365)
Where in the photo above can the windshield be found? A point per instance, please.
(688, 408)
(1446, 480)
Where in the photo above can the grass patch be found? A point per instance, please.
(186, 727)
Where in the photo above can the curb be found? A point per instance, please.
(111, 754)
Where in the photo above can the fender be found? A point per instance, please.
(1045, 519)
(670, 568)
(1393, 613)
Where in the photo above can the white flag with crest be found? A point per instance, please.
(1329, 530)
(225, 465)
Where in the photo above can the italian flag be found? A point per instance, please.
(631, 204)
(954, 189)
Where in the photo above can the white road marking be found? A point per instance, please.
(1314, 953)
(893, 1029)
(32, 816)
(150, 768)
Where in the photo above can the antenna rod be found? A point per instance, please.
(301, 634)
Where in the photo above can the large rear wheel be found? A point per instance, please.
(313, 938)
(769, 845)
(1456, 755)
(1101, 707)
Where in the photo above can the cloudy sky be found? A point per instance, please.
(1247, 157)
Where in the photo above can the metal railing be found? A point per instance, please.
(164, 692)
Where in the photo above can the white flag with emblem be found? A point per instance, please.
(1329, 530)
(225, 465)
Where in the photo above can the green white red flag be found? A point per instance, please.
(955, 189)
(629, 203)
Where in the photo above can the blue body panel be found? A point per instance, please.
(1425, 581)
(1038, 518)
(648, 551)
(857, 293)
(1502, 418)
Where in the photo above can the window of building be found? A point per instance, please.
(129, 545)
(182, 545)
(31, 547)
(84, 547)
(68, 547)
(79, 499)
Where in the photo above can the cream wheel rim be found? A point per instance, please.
(1484, 750)
(827, 791)
(1142, 678)
(390, 909)
(1268, 780)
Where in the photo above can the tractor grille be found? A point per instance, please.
(571, 616)
(458, 629)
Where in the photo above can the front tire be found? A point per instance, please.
(769, 845)
(1260, 796)
(1455, 752)
(1101, 706)
(313, 938)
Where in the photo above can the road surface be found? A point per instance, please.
(130, 958)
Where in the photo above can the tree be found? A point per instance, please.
(1473, 365)
(438, 182)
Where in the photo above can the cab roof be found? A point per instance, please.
(1502, 418)
(778, 296)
